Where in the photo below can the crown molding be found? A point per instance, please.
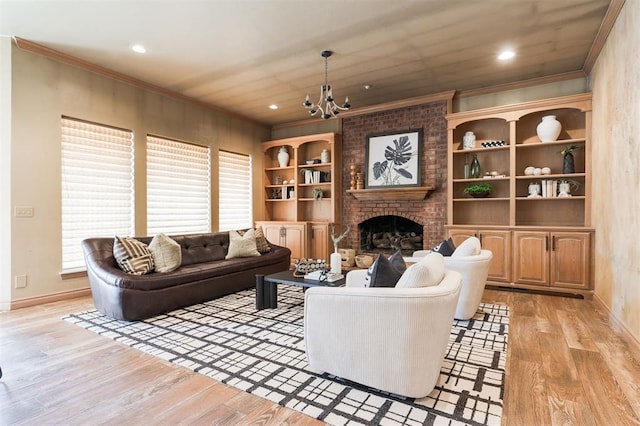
(605, 28)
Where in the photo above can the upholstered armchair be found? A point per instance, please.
(393, 339)
(473, 264)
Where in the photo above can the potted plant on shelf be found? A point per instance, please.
(317, 194)
(567, 159)
(478, 190)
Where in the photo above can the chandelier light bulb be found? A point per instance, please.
(330, 108)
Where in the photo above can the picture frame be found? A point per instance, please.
(393, 160)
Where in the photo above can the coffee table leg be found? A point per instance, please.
(260, 292)
(272, 289)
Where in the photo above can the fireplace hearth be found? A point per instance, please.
(388, 234)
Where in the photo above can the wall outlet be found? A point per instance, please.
(21, 281)
(23, 211)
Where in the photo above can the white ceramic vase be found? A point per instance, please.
(468, 140)
(325, 156)
(283, 157)
(335, 261)
(549, 129)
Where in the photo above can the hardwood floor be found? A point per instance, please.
(565, 365)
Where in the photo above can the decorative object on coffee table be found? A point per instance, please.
(335, 260)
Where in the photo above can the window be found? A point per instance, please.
(178, 187)
(235, 199)
(97, 186)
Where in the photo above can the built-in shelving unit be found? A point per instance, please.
(510, 208)
(294, 216)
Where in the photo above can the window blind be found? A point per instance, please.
(97, 186)
(235, 195)
(178, 187)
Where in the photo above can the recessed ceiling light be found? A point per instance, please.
(367, 86)
(273, 106)
(138, 48)
(506, 54)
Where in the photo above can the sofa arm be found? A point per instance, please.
(389, 338)
(356, 278)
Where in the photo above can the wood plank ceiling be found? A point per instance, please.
(243, 56)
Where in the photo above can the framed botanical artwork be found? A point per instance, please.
(393, 159)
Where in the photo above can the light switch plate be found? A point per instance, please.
(23, 211)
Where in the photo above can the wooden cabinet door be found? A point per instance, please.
(531, 257)
(570, 259)
(296, 237)
(319, 246)
(499, 243)
(459, 235)
(287, 234)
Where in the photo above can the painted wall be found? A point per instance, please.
(5, 172)
(615, 83)
(42, 91)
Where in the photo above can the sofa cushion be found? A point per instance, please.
(469, 247)
(132, 256)
(261, 241)
(385, 272)
(167, 253)
(428, 272)
(445, 248)
(242, 245)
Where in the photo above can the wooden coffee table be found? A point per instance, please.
(267, 287)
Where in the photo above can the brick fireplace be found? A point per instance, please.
(429, 213)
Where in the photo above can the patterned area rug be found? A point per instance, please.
(262, 352)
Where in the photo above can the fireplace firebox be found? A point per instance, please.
(388, 234)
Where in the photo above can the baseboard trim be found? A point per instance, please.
(40, 300)
(618, 324)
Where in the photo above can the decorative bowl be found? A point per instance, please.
(364, 261)
(310, 162)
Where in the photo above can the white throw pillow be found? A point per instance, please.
(428, 272)
(469, 247)
(242, 246)
(167, 254)
(132, 256)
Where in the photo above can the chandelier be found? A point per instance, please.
(326, 95)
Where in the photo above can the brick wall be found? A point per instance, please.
(432, 212)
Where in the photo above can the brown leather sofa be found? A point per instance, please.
(203, 275)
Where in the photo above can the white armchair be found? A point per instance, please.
(392, 339)
(473, 264)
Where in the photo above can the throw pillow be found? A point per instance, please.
(385, 272)
(242, 245)
(445, 248)
(132, 256)
(469, 247)
(261, 241)
(428, 272)
(167, 254)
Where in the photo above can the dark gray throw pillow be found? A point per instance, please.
(385, 272)
(445, 248)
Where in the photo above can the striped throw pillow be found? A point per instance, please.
(261, 241)
(132, 256)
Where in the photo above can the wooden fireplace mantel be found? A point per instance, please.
(413, 193)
